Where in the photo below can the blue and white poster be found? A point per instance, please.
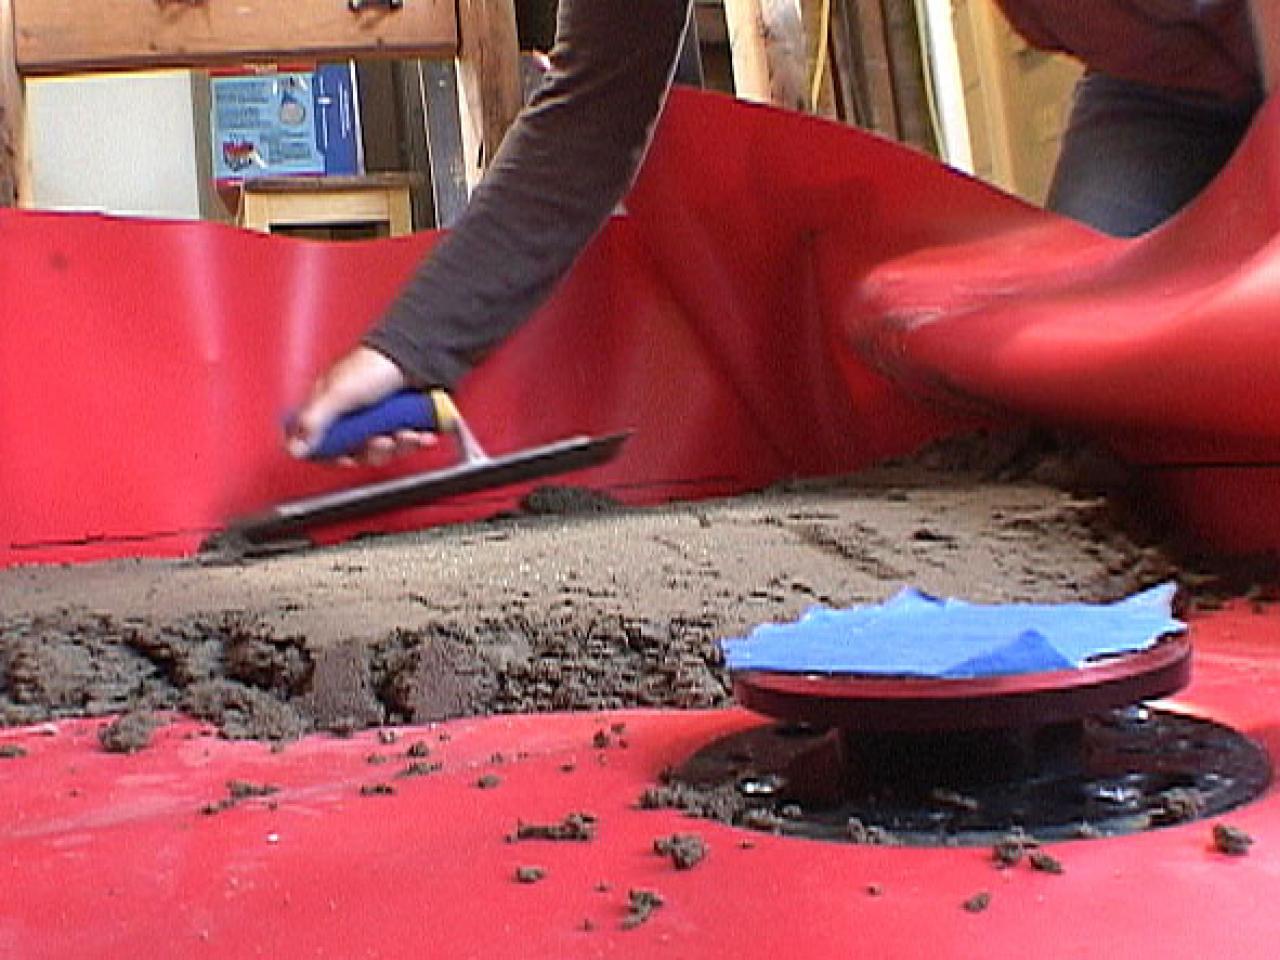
(285, 124)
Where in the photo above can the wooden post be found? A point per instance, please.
(746, 46)
(984, 22)
(14, 182)
(877, 70)
(906, 61)
(851, 99)
(489, 92)
(818, 16)
(768, 44)
(910, 85)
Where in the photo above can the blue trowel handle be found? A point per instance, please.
(430, 412)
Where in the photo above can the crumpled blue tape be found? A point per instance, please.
(913, 634)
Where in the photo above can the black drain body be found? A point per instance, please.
(1114, 773)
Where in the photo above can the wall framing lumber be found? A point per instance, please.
(13, 152)
(877, 72)
(985, 23)
(57, 37)
(489, 89)
(768, 45)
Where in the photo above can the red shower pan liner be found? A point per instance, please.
(783, 297)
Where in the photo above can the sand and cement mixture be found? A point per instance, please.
(593, 608)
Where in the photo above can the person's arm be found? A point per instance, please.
(1266, 33)
(564, 165)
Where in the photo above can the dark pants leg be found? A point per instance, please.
(1133, 155)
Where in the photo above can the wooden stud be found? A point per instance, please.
(877, 72)
(746, 44)
(851, 102)
(767, 42)
(442, 128)
(984, 23)
(906, 61)
(14, 179)
(489, 88)
(415, 149)
(817, 16)
(788, 49)
(58, 37)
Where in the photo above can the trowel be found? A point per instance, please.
(280, 527)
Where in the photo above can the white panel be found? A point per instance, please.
(122, 144)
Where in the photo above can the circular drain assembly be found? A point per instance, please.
(1058, 754)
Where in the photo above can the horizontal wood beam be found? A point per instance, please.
(69, 36)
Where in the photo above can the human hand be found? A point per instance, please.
(363, 377)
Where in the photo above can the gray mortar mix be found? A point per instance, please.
(589, 609)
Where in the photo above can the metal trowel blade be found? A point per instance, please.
(281, 526)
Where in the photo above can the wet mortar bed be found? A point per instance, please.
(573, 603)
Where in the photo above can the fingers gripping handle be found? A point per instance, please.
(431, 412)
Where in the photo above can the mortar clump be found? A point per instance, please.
(641, 905)
(686, 850)
(129, 732)
(576, 826)
(1231, 840)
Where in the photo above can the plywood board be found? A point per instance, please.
(56, 36)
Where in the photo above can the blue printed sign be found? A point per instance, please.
(285, 123)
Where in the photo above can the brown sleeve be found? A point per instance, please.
(564, 165)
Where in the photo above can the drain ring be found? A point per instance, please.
(1115, 773)
(864, 702)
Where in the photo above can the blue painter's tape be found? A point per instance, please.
(913, 634)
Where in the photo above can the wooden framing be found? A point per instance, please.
(851, 101)
(903, 40)
(818, 19)
(985, 25)
(745, 24)
(877, 75)
(54, 37)
(435, 86)
(66, 36)
(12, 114)
(1017, 100)
(489, 94)
(769, 49)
